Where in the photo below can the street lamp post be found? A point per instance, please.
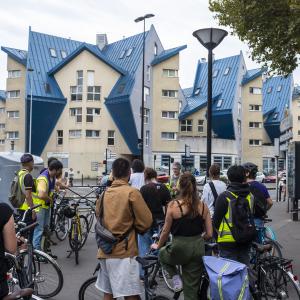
(30, 70)
(210, 38)
(139, 19)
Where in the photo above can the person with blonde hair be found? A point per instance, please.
(189, 221)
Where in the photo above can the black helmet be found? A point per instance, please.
(69, 212)
(251, 168)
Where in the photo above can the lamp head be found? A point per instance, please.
(210, 38)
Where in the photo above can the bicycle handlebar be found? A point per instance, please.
(26, 228)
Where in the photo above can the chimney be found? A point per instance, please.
(203, 60)
(101, 40)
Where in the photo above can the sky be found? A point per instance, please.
(175, 21)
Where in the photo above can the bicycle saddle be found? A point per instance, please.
(147, 261)
(19, 294)
(262, 248)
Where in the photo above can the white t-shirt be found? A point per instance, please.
(208, 196)
(137, 180)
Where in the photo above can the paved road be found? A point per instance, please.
(288, 233)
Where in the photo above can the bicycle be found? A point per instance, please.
(40, 271)
(274, 275)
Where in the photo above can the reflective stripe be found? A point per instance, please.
(21, 175)
(243, 288)
(223, 270)
(35, 198)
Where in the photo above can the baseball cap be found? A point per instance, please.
(26, 158)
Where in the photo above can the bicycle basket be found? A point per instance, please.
(69, 212)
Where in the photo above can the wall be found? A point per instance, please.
(296, 122)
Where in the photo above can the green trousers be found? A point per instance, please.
(186, 252)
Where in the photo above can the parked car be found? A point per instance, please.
(269, 179)
(260, 176)
(201, 178)
(162, 177)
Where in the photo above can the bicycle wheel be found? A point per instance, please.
(91, 219)
(62, 226)
(47, 276)
(276, 251)
(167, 279)
(88, 290)
(84, 231)
(160, 298)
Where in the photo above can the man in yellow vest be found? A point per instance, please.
(45, 186)
(174, 181)
(26, 182)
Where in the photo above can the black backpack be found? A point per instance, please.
(260, 202)
(243, 228)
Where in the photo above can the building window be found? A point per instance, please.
(170, 93)
(186, 125)
(76, 93)
(215, 73)
(63, 54)
(255, 90)
(91, 113)
(92, 133)
(169, 114)
(146, 93)
(155, 49)
(255, 125)
(80, 78)
(148, 73)
(93, 93)
(255, 142)
(12, 135)
(13, 94)
(279, 88)
(218, 160)
(170, 73)
(227, 70)
(179, 105)
(14, 114)
(90, 78)
(219, 103)
(14, 74)
(75, 134)
(227, 162)
(76, 112)
(203, 162)
(128, 52)
(275, 116)
(197, 92)
(111, 138)
(122, 54)
(59, 137)
(53, 52)
(254, 107)
(147, 138)
(201, 126)
(239, 108)
(239, 123)
(269, 90)
(146, 115)
(2, 110)
(2, 126)
(165, 160)
(169, 136)
(2, 142)
(188, 163)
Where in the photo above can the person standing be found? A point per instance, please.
(71, 177)
(137, 179)
(174, 180)
(213, 189)
(189, 221)
(124, 213)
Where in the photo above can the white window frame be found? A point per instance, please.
(167, 94)
(254, 125)
(122, 55)
(13, 94)
(53, 52)
(2, 141)
(63, 53)
(227, 70)
(269, 90)
(129, 52)
(279, 88)
(2, 110)
(77, 91)
(219, 103)
(174, 134)
(254, 106)
(96, 95)
(94, 136)
(14, 74)
(13, 114)
(168, 114)
(155, 49)
(2, 126)
(197, 92)
(255, 90)
(215, 73)
(200, 126)
(111, 136)
(185, 125)
(275, 116)
(75, 133)
(79, 78)
(92, 114)
(58, 137)
(167, 73)
(239, 108)
(15, 135)
(148, 73)
(147, 138)
(90, 78)
(146, 115)
(252, 143)
(77, 113)
(146, 93)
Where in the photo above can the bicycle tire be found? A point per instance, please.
(83, 220)
(76, 251)
(167, 279)
(91, 223)
(62, 226)
(42, 259)
(160, 298)
(276, 251)
(88, 291)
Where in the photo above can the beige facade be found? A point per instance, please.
(295, 111)
(14, 115)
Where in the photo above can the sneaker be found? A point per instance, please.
(177, 283)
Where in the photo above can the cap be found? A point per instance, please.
(26, 158)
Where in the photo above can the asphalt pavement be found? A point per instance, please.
(288, 234)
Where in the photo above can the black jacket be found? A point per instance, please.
(221, 208)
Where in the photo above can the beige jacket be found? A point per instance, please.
(124, 207)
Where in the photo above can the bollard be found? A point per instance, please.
(81, 179)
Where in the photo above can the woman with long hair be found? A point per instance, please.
(189, 221)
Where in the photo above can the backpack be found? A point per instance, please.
(214, 191)
(16, 196)
(243, 227)
(228, 279)
(260, 202)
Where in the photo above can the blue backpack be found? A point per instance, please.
(228, 279)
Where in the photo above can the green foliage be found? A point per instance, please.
(271, 28)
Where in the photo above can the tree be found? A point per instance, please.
(271, 28)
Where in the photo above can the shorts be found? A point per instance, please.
(119, 277)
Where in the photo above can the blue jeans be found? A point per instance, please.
(43, 219)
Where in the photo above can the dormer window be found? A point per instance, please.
(63, 54)
(226, 72)
(197, 92)
(269, 90)
(53, 52)
(155, 49)
(219, 103)
(215, 73)
(129, 51)
(122, 54)
(275, 116)
(279, 88)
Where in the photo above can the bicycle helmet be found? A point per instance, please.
(69, 212)
(251, 168)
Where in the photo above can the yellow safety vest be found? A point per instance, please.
(21, 175)
(224, 232)
(35, 195)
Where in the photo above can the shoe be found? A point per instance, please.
(177, 283)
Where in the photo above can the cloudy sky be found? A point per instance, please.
(174, 20)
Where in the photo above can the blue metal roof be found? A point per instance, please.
(2, 95)
(17, 54)
(252, 74)
(166, 54)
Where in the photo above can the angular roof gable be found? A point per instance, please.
(166, 54)
(252, 74)
(16, 54)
